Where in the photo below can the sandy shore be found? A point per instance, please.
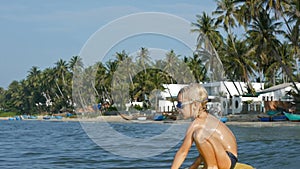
(263, 124)
(100, 118)
(240, 119)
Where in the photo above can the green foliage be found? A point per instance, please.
(265, 50)
(112, 108)
(138, 107)
(8, 114)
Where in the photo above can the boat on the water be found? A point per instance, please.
(264, 118)
(142, 118)
(15, 118)
(279, 118)
(272, 112)
(272, 118)
(224, 119)
(58, 117)
(292, 117)
(158, 117)
(46, 117)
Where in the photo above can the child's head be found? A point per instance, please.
(194, 94)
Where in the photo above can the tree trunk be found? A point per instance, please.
(288, 72)
(227, 89)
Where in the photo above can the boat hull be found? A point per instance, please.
(292, 117)
(272, 118)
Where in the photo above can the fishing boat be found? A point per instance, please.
(292, 117)
(224, 119)
(142, 118)
(158, 117)
(58, 117)
(279, 118)
(272, 118)
(264, 118)
(272, 112)
(46, 117)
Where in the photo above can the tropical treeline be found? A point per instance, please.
(53, 90)
(261, 39)
(256, 40)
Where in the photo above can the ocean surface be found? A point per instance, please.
(48, 144)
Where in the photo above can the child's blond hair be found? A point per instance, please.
(195, 92)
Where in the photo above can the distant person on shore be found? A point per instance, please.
(215, 142)
(292, 109)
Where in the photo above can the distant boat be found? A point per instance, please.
(272, 118)
(58, 117)
(272, 112)
(15, 118)
(142, 118)
(32, 117)
(158, 117)
(11, 118)
(224, 119)
(292, 117)
(264, 119)
(279, 118)
(18, 117)
(46, 117)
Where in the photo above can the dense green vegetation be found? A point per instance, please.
(266, 49)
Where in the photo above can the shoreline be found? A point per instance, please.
(234, 120)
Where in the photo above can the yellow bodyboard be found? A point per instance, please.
(243, 166)
(237, 166)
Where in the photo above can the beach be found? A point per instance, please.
(249, 119)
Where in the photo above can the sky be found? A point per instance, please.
(39, 33)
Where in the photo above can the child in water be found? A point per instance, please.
(214, 140)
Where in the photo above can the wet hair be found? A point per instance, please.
(195, 92)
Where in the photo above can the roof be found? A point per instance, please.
(172, 89)
(276, 87)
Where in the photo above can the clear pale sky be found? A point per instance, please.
(39, 33)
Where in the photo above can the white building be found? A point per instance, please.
(220, 90)
(227, 89)
(277, 93)
(171, 91)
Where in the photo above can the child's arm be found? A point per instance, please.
(184, 149)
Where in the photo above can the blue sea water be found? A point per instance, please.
(47, 144)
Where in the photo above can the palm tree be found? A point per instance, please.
(197, 68)
(75, 62)
(2, 96)
(100, 81)
(277, 6)
(294, 39)
(61, 70)
(126, 65)
(262, 35)
(209, 41)
(205, 26)
(247, 10)
(171, 64)
(34, 75)
(292, 11)
(143, 59)
(293, 32)
(34, 85)
(46, 87)
(227, 13)
(237, 60)
(158, 79)
(143, 85)
(18, 98)
(111, 67)
(285, 53)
